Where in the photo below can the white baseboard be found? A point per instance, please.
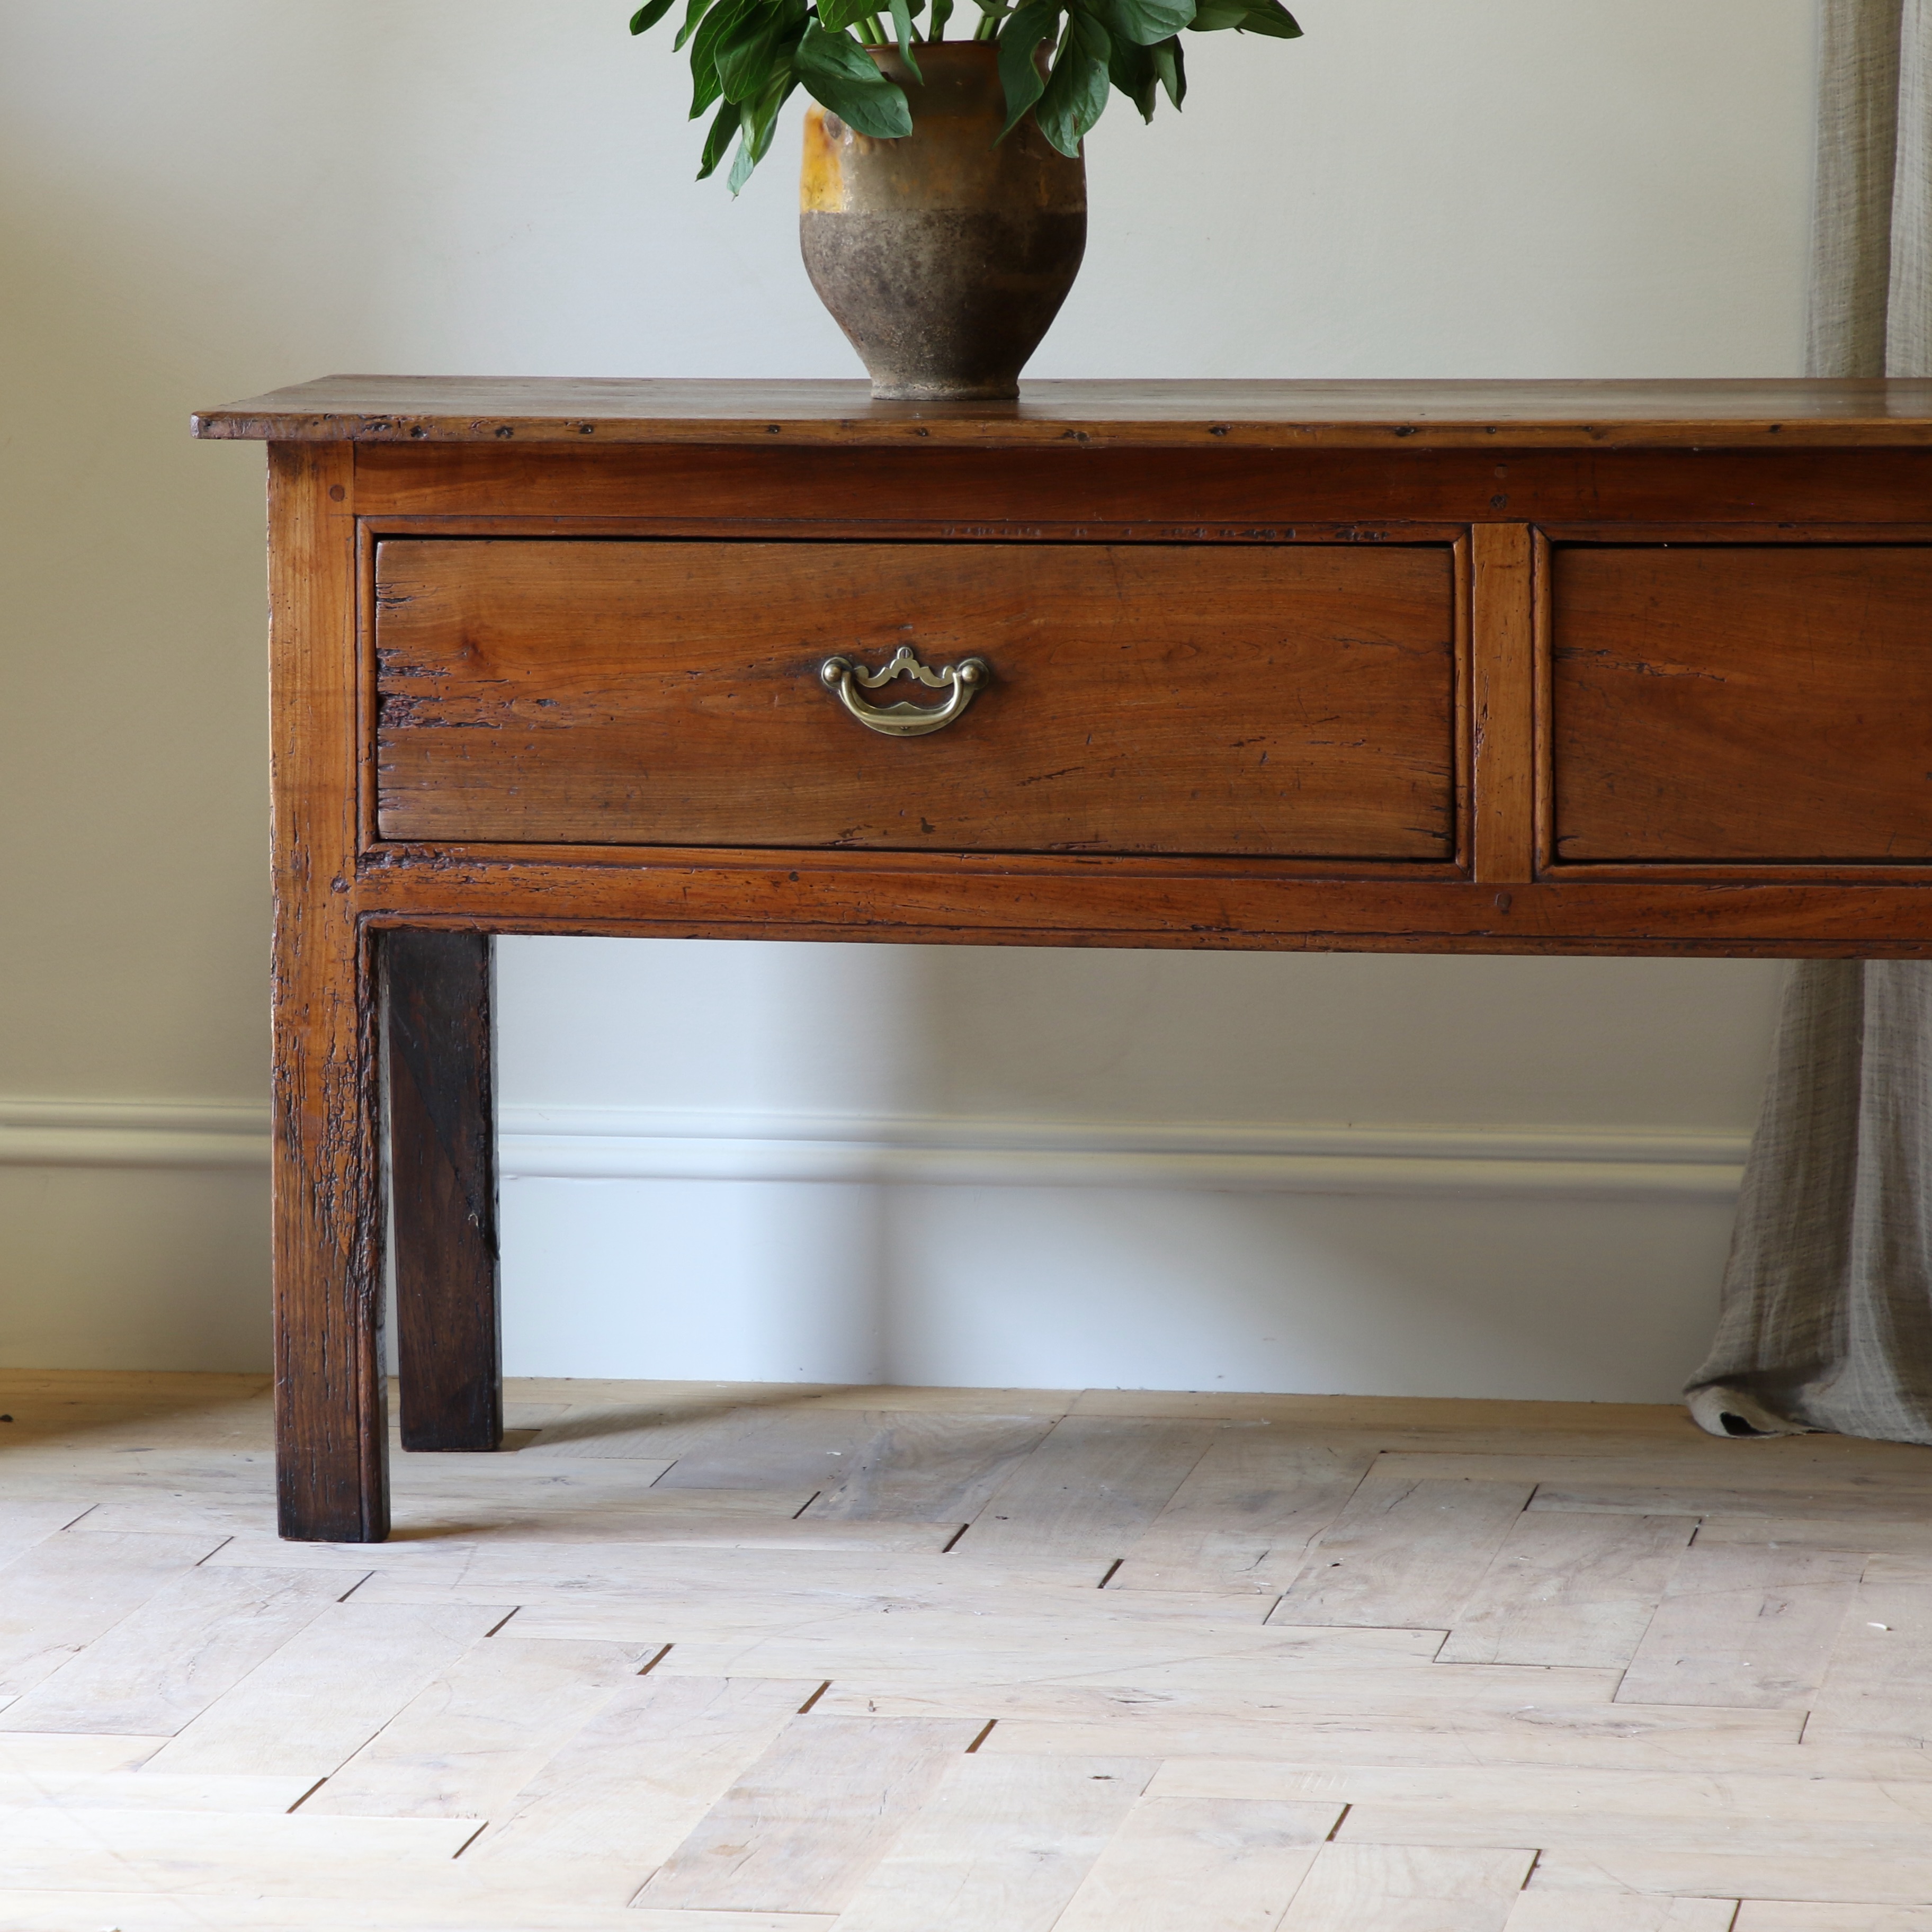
(648, 1143)
(132, 1133)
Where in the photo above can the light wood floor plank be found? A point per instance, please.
(1569, 1589)
(1852, 1465)
(1864, 1535)
(1880, 1501)
(1781, 1915)
(25, 1522)
(767, 1589)
(594, 1408)
(1404, 1552)
(902, 1398)
(918, 1649)
(166, 1663)
(662, 1531)
(1552, 1805)
(616, 1800)
(1217, 1754)
(800, 1828)
(189, 1852)
(1189, 1865)
(1877, 1683)
(999, 1847)
(1461, 1721)
(1852, 1879)
(1246, 1512)
(1407, 1888)
(136, 1790)
(919, 1466)
(480, 1731)
(1092, 1488)
(50, 1755)
(1455, 1421)
(796, 1436)
(1765, 1817)
(1618, 1912)
(1744, 1625)
(327, 1691)
(65, 1593)
(34, 1911)
(430, 1908)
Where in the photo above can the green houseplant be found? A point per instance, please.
(943, 205)
(748, 55)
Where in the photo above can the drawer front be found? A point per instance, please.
(1742, 704)
(1280, 700)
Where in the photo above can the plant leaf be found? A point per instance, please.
(722, 128)
(761, 115)
(1076, 91)
(646, 17)
(942, 12)
(835, 15)
(1145, 22)
(1216, 16)
(759, 122)
(844, 79)
(1272, 18)
(1087, 34)
(902, 30)
(1131, 69)
(717, 25)
(746, 55)
(1171, 63)
(693, 14)
(1025, 28)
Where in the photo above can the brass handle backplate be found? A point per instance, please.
(842, 677)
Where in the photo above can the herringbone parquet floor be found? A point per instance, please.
(694, 1658)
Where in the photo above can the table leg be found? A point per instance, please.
(331, 1432)
(442, 1177)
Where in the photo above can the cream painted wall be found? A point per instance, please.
(202, 199)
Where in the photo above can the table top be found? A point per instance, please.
(1731, 414)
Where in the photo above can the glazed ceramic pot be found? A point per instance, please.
(944, 255)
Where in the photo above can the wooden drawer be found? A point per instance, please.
(1742, 702)
(1270, 700)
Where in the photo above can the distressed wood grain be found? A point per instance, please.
(801, 1828)
(1568, 1589)
(480, 1731)
(1091, 1488)
(1245, 1513)
(64, 1593)
(167, 1662)
(1404, 1553)
(1745, 1625)
(326, 1691)
(1288, 699)
(616, 1801)
(1407, 1888)
(439, 1045)
(1000, 1847)
(1185, 1864)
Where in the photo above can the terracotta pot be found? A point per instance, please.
(943, 257)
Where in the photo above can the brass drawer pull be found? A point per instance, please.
(841, 676)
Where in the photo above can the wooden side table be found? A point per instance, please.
(1482, 668)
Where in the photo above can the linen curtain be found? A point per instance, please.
(1826, 1318)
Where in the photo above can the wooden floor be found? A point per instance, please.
(696, 1658)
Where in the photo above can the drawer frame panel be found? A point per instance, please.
(1609, 534)
(373, 530)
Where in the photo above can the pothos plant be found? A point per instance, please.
(747, 55)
